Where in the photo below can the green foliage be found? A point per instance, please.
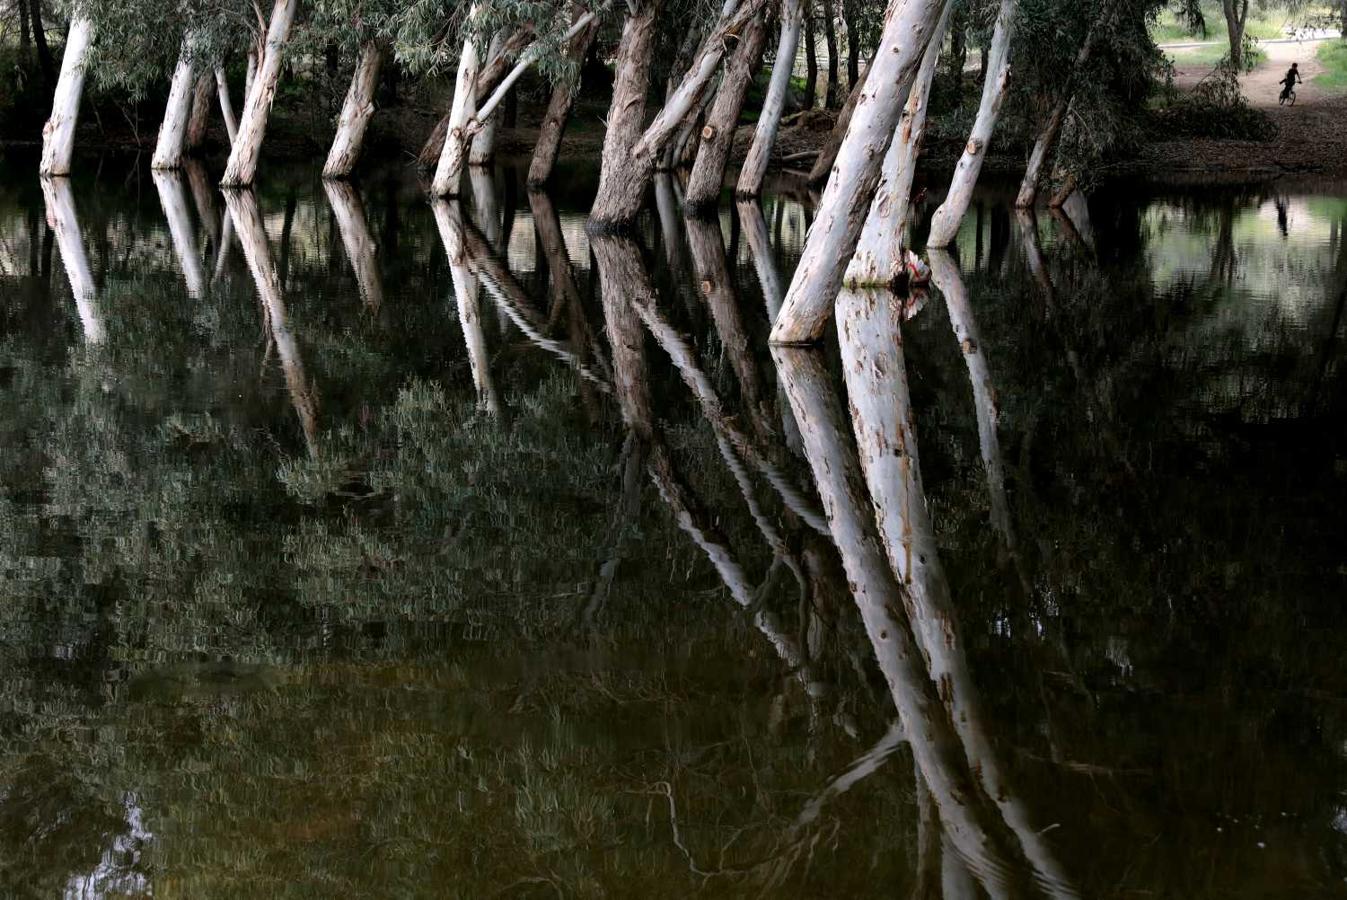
(1216, 108)
(1332, 56)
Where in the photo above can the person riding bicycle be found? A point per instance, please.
(1291, 80)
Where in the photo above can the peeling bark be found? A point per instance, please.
(708, 172)
(449, 170)
(242, 166)
(827, 154)
(200, 118)
(759, 156)
(356, 111)
(841, 213)
(488, 77)
(177, 110)
(58, 135)
(559, 111)
(996, 77)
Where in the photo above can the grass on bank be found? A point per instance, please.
(1262, 24)
(1333, 57)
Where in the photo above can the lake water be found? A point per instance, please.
(358, 547)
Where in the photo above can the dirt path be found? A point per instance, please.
(1261, 86)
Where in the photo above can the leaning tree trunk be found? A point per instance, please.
(708, 172)
(880, 256)
(945, 225)
(63, 221)
(908, 27)
(754, 169)
(483, 147)
(58, 135)
(1052, 130)
(247, 148)
(177, 110)
(827, 154)
(830, 94)
(614, 204)
(356, 112)
(449, 170)
(559, 111)
(226, 105)
(810, 58)
(173, 198)
(200, 118)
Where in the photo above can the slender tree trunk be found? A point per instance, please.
(1236, 15)
(1046, 144)
(810, 56)
(488, 76)
(559, 112)
(827, 155)
(880, 256)
(58, 135)
(44, 57)
(356, 112)
(448, 218)
(247, 148)
(63, 221)
(831, 95)
(769, 279)
(226, 105)
(355, 238)
(483, 147)
(620, 187)
(449, 170)
(945, 225)
(842, 209)
(249, 74)
(851, 17)
(200, 119)
(173, 200)
(25, 39)
(759, 156)
(247, 218)
(717, 136)
(177, 111)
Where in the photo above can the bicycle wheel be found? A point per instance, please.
(1291, 100)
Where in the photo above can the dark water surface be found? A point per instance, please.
(459, 555)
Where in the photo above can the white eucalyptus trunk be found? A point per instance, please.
(226, 105)
(449, 220)
(945, 224)
(356, 112)
(880, 256)
(874, 367)
(200, 118)
(355, 238)
(449, 170)
(64, 222)
(58, 135)
(827, 155)
(242, 166)
(759, 156)
(250, 73)
(168, 149)
(247, 218)
(483, 147)
(908, 27)
(173, 199)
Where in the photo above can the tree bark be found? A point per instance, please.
(355, 238)
(177, 111)
(200, 118)
(830, 94)
(717, 136)
(226, 105)
(880, 257)
(247, 218)
(242, 166)
(44, 57)
(449, 170)
(559, 111)
(1052, 130)
(908, 27)
(759, 156)
(1236, 15)
(945, 225)
(620, 185)
(483, 146)
(356, 112)
(63, 221)
(810, 57)
(173, 199)
(827, 154)
(58, 135)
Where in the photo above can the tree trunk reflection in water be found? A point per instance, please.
(173, 199)
(967, 819)
(356, 239)
(207, 211)
(63, 221)
(247, 218)
(869, 332)
(449, 221)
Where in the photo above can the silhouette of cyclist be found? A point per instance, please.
(1291, 80)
